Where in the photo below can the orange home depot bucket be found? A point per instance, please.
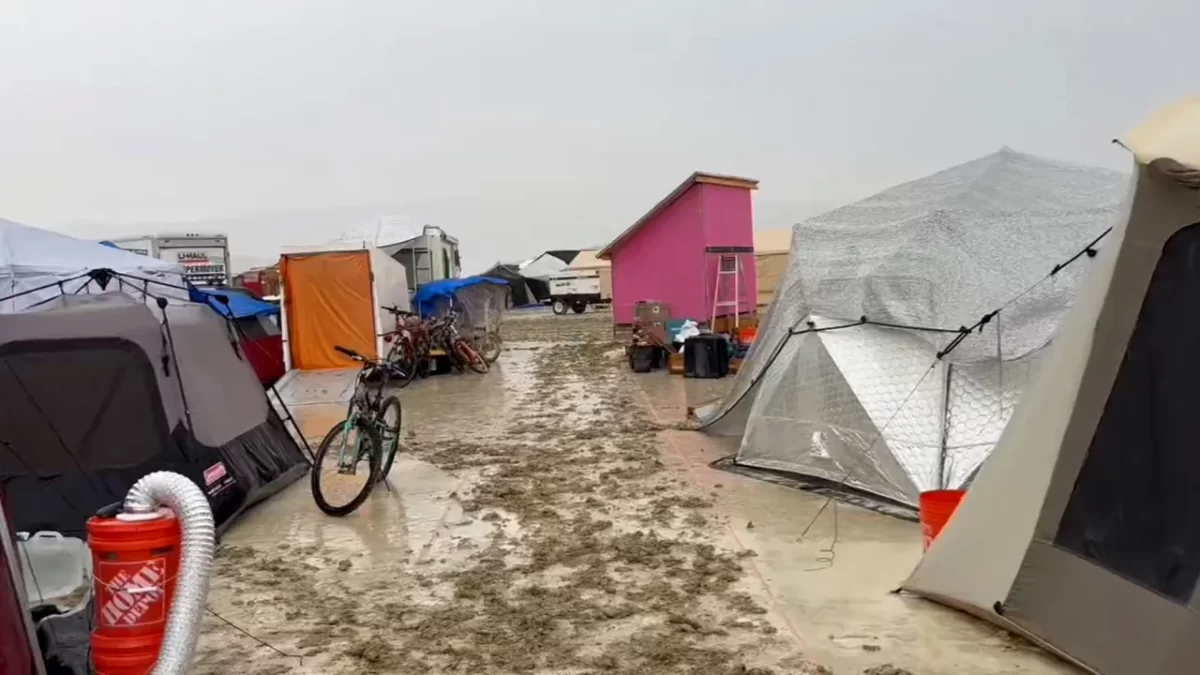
(935, 509)
(132, 655)
(135, 559)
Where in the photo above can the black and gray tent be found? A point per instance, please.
(99, 390)
(538, 272)
(523, 291)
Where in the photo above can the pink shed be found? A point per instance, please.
(662, 257)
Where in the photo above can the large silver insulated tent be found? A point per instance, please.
(851, 381)
(1083, 529)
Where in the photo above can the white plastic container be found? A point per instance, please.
(53, 565)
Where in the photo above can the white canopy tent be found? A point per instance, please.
(548, 264)
(37, 265)
(846, 381)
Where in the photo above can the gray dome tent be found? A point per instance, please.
(100, 390)
(846, 381)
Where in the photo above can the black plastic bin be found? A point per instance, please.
(644, 358)
(706, 356)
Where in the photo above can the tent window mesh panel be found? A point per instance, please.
(83, 404)
(1135, 509)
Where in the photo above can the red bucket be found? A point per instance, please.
(936, 507)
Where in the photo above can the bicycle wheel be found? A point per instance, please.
(345, 467)
(403, 356)
(388, 426)
(490, 347)
(470, 357)
(453, 356)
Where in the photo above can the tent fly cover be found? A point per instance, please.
(234, 305)
(166, 391)
(850, 379)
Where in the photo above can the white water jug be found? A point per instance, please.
(53, 565)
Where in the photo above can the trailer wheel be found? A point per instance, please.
(559, 306)
(579, 307)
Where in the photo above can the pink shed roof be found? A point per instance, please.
(698, 177)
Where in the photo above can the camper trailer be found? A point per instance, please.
(430, 256)
(428, 253)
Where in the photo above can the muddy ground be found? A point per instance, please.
(578, 554)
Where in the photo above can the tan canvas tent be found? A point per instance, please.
(1082, 531)
(587, 261)
(771, 248)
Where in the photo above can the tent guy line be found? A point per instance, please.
(829, 559)
(1088, 250)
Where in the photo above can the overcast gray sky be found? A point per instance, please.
(522, 125)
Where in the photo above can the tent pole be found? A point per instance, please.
(945, 427)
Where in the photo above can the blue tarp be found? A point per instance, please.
(241, 306)
(423, 299)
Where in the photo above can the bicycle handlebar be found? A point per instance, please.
(349, 352)
(397, 311)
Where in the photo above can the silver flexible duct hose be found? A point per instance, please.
(178, 493)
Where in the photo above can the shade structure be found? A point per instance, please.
(850, 379)
(100, 390)
(1081, 531)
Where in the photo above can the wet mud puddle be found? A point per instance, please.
(531, 528)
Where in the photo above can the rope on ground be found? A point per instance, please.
(264, 643)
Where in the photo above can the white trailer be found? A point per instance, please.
(574, 291)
